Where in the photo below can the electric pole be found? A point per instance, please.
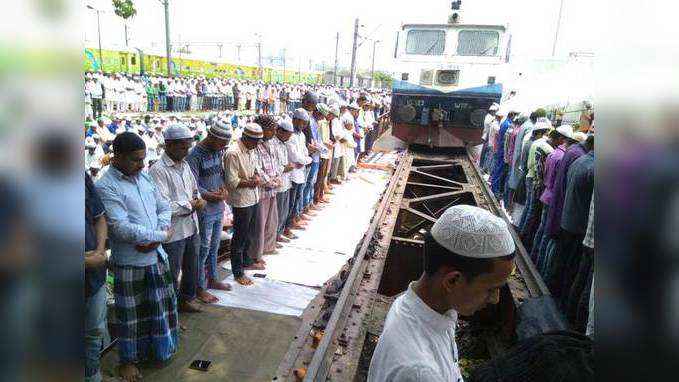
(334, 78)
(259, 55)
(166, 3)
(556, 33)
(238, 52)
(353, 55)
(101, 60)
(372, 70)
(220, 49)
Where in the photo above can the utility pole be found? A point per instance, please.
(334, 77)
(353, 55)
(372, 70)
(220, 49)
(259, 55)
(556, 33)
(101, 60)
(168, 51)
(238, 52)
(127, 39)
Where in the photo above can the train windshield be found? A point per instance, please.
(426, 42)
(477, 43)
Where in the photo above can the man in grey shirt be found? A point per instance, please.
(175, 181)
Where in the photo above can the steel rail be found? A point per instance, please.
(536, 286)
(319, 366)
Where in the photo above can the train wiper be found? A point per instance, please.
(432, 45)
(487, 49)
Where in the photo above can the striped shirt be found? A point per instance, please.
(267, 167)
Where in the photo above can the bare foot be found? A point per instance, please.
(279, 245)
(289, 234)
(260, 261)
(206, 296)
(255, 267)
(129, 372)
(282, 239)
(244, 280)
(214, 284)
(274, 252)
(189, 307)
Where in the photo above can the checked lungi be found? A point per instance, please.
(146, 312)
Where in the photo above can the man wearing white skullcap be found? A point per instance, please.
(207, 165)
(468, 256)
(175, 181)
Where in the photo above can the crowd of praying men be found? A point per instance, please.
(542, 172)
(107, 93)
(163, 191)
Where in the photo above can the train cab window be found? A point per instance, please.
(133, 60)
(477, 43)
(426, 42)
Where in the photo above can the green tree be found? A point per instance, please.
(383, 77)
(125, 10)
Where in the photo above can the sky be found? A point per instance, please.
(307, 29)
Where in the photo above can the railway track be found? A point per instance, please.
(340, 330)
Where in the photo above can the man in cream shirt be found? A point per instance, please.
(468, 256)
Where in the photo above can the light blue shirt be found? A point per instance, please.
(136, 214)
(313, 125)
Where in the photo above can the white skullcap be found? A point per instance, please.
(473, 232)
(177, 131)
(286, 125)
(542, 124)
(494, 107)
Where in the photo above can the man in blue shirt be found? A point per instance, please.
(139, 221)
(309, 104)
(206, 160)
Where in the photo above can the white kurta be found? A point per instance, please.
(417, 344)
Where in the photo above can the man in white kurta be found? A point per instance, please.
(468, 256)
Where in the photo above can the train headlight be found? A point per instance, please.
(447, 77)
(407, 113)
(404, 76)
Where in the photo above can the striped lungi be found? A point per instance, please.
(146, 312)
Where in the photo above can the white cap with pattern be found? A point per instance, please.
(473, 232)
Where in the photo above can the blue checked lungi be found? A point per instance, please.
(146, 312)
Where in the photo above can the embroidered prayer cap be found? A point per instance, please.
(354, 106)
(221, 129)
(177, 131)
(301, 114)
(473, 232)
(253, 130)
(323, 108)
(286, 125)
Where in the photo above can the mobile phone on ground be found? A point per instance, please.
(200, 365)
(260, 275)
